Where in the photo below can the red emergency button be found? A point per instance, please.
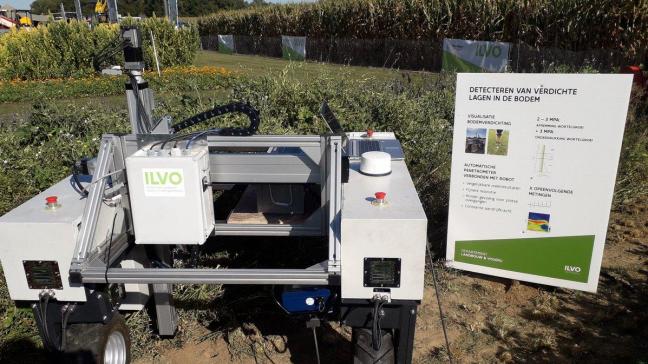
(380, 199)
(51, 203)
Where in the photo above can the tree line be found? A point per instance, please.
(145, 7)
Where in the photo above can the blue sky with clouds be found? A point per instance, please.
(24, 4)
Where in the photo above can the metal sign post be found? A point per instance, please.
(112, 11)
(77, 6)
(173, 11)
(63, 16)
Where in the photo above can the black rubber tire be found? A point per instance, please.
(363, 352)
(86, 343)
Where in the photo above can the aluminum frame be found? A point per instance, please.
(321, 154)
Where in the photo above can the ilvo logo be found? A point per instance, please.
(572, 269)
(162, 178)
(487, 50)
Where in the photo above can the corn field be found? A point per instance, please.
(61, 50)
(575, 25)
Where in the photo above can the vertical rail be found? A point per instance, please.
(334, 200)
(90, 215)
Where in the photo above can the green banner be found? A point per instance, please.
(452, 62)
(462, 55)
(564, 257)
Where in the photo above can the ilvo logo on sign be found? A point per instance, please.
(163, 182)
(487, 50)
(162, 178)
(572, 269)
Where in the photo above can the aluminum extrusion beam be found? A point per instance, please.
(222, 229)
(205, 276)
(264, 141)
(93, 202)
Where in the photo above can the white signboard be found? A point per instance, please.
(461, 55)
(293, 48)
(226, 43)
(534, 163)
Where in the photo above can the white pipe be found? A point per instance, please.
(157, 61)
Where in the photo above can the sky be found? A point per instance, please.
(24, 4)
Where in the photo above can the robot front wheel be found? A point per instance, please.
(107, 343)
(364, 352)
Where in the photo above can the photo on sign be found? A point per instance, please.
(538, 222)
(475, 140)
(498, 140)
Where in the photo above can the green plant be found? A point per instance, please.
(61, 50)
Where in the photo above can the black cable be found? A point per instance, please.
(376, 329)
(177, 139)
(112, 231)
(375, 341)
(66, 316)
(246, 109)
(140, 108)
(108, 51)
(438, 297)
(43, 317)
(274, 297)
(235, 107)
(316, 345)
(162, 143)
(75, 177)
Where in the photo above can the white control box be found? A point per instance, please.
(171, 197)
(383, 244)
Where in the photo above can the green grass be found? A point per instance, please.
(259, 66)
(494, 147)
(16, 100)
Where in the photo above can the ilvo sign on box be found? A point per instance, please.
(461, 55)
(534, 164)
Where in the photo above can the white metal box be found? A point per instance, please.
(31, 232)
(171, 196)
(395, 230)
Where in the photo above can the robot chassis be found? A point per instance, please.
(100, 241)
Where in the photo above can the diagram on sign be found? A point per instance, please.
(543, 161)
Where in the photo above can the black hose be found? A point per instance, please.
(141, 112)
(112, 48)
(438, 297)
(239, 107)
(44, 298)
(376, 329)
(66, 315)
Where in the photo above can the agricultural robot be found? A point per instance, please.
(101, 242)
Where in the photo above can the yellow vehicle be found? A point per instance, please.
(101, 7)
(25, 21)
